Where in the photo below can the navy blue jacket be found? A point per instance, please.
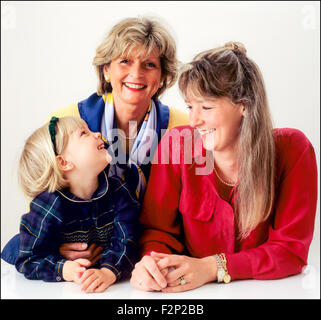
(109, 219)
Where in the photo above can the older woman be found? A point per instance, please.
(250, 217)
(135, 63)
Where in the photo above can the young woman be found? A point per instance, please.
(252, 215)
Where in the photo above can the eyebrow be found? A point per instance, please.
(122, 57)
(212, 99)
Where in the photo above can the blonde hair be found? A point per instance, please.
(130, 33)
(38, 170)
(228, 72)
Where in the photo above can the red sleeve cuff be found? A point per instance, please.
(239, 265)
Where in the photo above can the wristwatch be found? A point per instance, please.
(220, 269)
(227, 277)
(222, 273)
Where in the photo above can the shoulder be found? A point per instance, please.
(47, 203)
(71, 110)
(80, 108)
(177, 117)
(173, 116)
(292, 139)
(44, 214)
(291, 146)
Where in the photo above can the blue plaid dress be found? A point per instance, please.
(109, 219)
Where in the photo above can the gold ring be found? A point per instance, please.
(182, 281)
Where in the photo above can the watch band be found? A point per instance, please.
(220, 268)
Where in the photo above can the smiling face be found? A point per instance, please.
(217, 120)
(85, 150)
(135, 77)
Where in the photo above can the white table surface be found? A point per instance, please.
(302, 286)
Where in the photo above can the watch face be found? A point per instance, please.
(220, 274)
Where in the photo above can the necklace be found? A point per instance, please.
(223, 181)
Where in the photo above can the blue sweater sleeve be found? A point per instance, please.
(39, 258)
(123, 252)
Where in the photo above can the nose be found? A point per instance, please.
(97, 135)
(195, 118)
(136, 69)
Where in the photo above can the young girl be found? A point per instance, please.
(62, 168)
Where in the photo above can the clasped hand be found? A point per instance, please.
(91, 280)
(80, 257)
(162, 272)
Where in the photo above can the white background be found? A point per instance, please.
(46, 63)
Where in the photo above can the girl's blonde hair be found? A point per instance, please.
(228, 72)
(127, 35)
(38, 170)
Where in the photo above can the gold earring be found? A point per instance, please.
(107, 78)
(161, 84)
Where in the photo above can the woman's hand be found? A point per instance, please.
(148, 276)
(73, 270)
(97, 280)
(196, 271)
(73, 251)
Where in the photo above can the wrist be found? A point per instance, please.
(67, 273)
(222, 272)
(211, 267)
(108, 273)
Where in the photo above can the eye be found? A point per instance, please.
(124, 61)
(150, 65)
(206, 108)
(189, 107)
(83, 132)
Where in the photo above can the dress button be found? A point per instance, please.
(58, 278)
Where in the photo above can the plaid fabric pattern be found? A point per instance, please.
(109, 219)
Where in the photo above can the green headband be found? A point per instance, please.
(52, 131)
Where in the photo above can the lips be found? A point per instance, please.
(203, 132)
(135, 86)
(101, 146)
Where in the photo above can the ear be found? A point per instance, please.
(63, 164)
(106, 69)
(243, 110)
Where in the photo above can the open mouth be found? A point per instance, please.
(101, 146)
(135, 86)
(203, 132)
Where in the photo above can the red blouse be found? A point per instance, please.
(183, 212)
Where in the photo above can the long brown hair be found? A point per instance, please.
(228, 72)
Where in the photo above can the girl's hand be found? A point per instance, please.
(73, 270)
(97, 280)
(148, 276)
(196, 271)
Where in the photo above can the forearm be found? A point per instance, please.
(210, 267)
(121, 258)
(268, 261)
(47, 268)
